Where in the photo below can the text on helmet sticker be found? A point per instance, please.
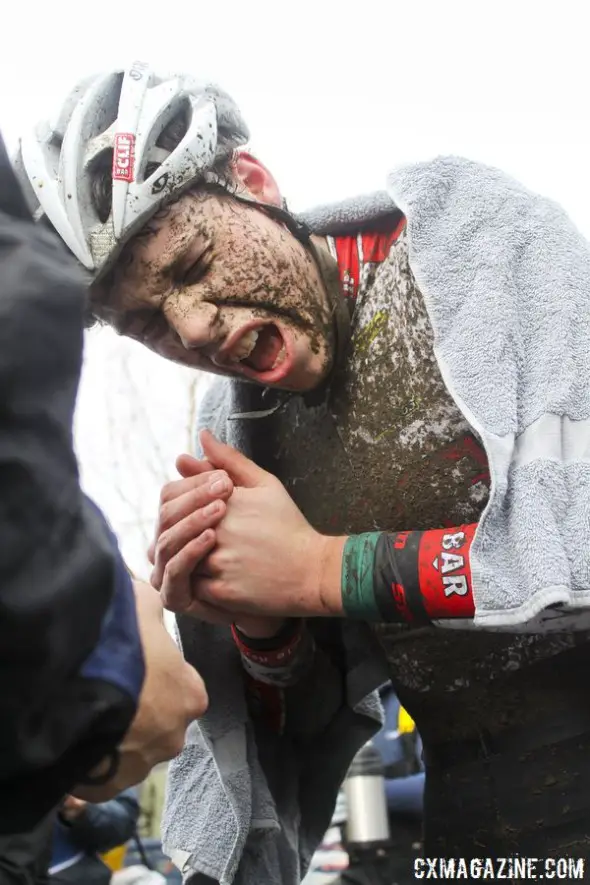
(124, 156)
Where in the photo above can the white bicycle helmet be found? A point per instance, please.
(115, 122)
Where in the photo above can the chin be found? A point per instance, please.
(310, 375)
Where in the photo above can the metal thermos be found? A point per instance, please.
(368, 823)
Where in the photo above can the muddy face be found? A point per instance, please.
(218, 285)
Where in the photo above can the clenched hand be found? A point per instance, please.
(265, 558)
(190, 509)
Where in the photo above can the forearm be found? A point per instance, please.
(415, 577)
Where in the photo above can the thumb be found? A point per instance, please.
(241, 470)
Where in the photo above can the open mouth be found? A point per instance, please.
(259, 351)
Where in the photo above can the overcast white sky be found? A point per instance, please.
(335, 94)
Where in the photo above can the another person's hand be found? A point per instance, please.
(183, 521)
(72, 808)
(173, 695)
(190, 509)
(267, 561)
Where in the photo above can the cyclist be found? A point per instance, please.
(381, 365)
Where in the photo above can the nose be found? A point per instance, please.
(197, 325)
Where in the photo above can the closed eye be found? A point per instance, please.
(198, 269)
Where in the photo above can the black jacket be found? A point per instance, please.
(25, 857)
(71, 665)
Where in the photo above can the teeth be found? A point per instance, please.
(244, 346)
(280, 357)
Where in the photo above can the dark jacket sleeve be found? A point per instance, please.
(106, 825)
(71, 666)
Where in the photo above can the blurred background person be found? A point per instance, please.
(337, 862)
(83, 832)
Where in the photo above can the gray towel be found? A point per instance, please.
(206, 813)
(506, 279)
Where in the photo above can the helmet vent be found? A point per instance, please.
(101, 184)
(168, 139)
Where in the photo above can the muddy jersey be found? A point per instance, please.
(388, 449)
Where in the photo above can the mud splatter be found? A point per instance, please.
(248, 264)
(388, 449)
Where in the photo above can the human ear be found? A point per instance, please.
(256, 179)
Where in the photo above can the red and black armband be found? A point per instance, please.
(409, 577)
(281, 659)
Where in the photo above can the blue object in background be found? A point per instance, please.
(400, 747)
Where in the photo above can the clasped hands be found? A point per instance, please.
(232, 546)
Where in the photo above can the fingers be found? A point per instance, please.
(178, 487)
(183, 497)
(242, 470)
(217, 487)
(212, 592)
(182, 574)
(190, 528)
(175, 583)
(202, 611)
(72, 804)
(187, 466)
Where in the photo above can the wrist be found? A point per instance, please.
(280, 661)
(328, 592)
(259, 628)
(357, 581)
(288, 634)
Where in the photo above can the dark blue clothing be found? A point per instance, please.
(405, 795)
(25, 857)
(72, 666)
(401, 752)
(97, 830)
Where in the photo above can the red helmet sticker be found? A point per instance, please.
(124, 156)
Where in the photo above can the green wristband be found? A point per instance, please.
(358, 594)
